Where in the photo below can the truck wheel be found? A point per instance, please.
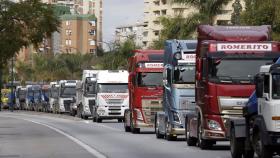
(98, 120)
(126, 128)
(203, 144)
(158, 134)
(133, 130)
(168, 136)
(261, 150)
(236, 145)
(191, 141)
(120, 120)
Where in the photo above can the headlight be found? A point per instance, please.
(176, 117)
(214, 125)
(178, 56)
(100, 112)
(139, 115)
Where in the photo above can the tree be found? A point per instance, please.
(260, 12)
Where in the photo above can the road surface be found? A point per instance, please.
(41, 135)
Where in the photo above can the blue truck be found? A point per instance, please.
(179, 88)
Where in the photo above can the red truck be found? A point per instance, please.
(145, 89)
(227, 59)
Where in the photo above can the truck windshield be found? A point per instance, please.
(68, 92)
(235, 70)
(30, 93)
(276, 86)
(36, 93)
(21, 94)
(184, 74)
(149, 79)
(54, 92)
(113, 88)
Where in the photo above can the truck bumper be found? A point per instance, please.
(141, 124)
(86, 113)
(177, 131)
(274, 138)
(214, 135)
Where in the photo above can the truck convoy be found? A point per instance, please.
(178, 82)
(227, 58)
(145, 89)
(86, 95)
(66, 93)
(259, 130)
(111, 95)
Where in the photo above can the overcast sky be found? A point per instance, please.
(120, 12)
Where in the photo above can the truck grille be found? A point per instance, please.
(232, 106)
(67, 104)
(150, 107)
(114, 110)
(114, 101)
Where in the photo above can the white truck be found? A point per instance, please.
(259, 130)
(112, 96)
(20, 97)
(86, 94)
(66, 93)
(53, 96)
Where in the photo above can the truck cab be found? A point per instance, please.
(259, 130)
(111, 95)
(86, 94)
(227, 59)
(37, 95)
(20, 97)
(145, 90)
(66, 93)
(53, 96)
(45, 98)
(179, 88)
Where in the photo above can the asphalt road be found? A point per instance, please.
(40, 135)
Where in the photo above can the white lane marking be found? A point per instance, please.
(91, 150)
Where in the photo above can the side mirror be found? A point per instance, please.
(266, 96)
(259, 86)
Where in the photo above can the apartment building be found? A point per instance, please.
(92, 7)
(157, 8)
(134, 32)
(77, 34)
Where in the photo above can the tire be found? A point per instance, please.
(167, 135)
(86, 117)
(120, 120)
(98, 120)
(261, 150)
(236, 145)
(191, 141)
(126, 128)
(133, 130)
(203, 144)
(158, 134)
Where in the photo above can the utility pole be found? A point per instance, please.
(12, 86)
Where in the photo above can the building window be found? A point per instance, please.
(91, 32)
(68, 32)
(68, 42)
(92, 23)
(92, 42)
(68, 23)
(93, 51)
(163, 12)
(156, 33)
(163, 2)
